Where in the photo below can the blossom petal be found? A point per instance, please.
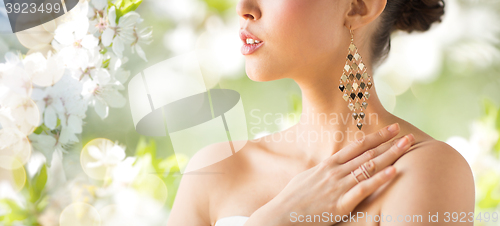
(45, 144)
(67, 136)
(129, 19)
(64, 34)
(52, 72)
(126, 171)
(81, 26)
(101, 75)
(99, 4)
(122, 75)
(88, 88)
(95, 152)
(112, 16)
(140, 52)
(75, 123)
(89, 42)
(114, 99)
(116, 154)
(38, 94)
(118, 47)
(50, 118)
(12, 58)
(107, 36)
(101, 108)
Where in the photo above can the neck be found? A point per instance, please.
(326, 121)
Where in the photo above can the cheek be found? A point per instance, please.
(303, 30)
(299, 34)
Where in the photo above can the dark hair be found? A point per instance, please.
(405, 15)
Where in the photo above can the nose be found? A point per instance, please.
(248, 9)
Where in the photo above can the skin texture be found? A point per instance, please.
(307, 41)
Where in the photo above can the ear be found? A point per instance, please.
(362, 12)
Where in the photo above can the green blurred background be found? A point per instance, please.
(440, 80)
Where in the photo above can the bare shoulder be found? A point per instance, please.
(207, 172)
(218, 157)
(431, 177)
(434, 159)
(435, 155)
(431, 162)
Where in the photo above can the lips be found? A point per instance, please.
(244, 35)
(248, 49)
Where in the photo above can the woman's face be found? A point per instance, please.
(302, 38)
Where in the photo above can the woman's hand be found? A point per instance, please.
(330, 189)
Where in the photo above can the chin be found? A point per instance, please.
(255, 73)
(259, 77)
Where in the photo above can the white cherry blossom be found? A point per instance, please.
(44, 71)
(103, 95)
(121, 33)
(143, 36)
(13, 77)
(73, 42)
(107, 155)
(62, 101)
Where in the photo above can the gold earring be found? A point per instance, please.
(355, 83)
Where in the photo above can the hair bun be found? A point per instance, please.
(419, 14)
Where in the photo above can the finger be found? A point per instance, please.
(363, 172)
(370, 154)
(362, 190)
(372, 166)
(385, 146)
(367, 142)
(395, 152)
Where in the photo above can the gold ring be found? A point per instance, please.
(365, 172)
(356, 175)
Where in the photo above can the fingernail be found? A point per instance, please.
(403, 142)
(389, 170)
(393, 128)
(411, 137)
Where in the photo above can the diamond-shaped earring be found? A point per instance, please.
(354, 66)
